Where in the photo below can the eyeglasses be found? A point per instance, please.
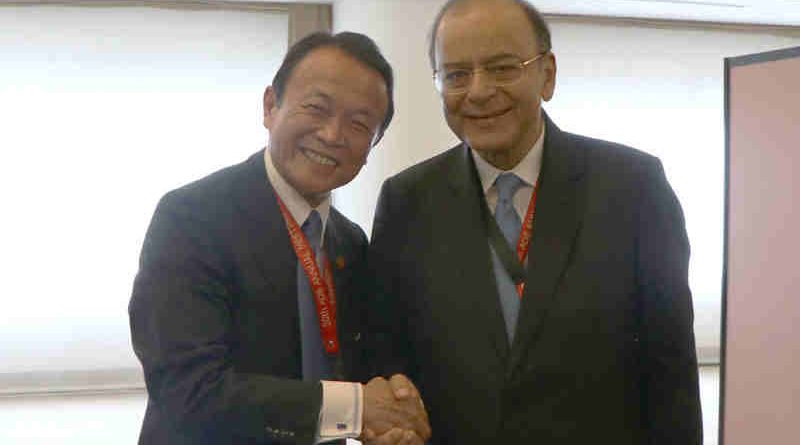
(458, 80)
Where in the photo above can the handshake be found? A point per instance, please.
(394, 413)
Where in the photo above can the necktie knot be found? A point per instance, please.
(312, 229)
(507, 185)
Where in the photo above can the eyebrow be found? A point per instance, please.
(485, 61)
(315, 92)
(364, 112)
(318, 93)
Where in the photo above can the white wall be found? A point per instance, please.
(103, 110)
(418, 130)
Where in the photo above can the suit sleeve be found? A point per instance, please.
(390, 347)
(670, 393)
(181, 326)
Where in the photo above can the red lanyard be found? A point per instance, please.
(526, 233)
(322, 287)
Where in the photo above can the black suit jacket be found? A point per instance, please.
(214, 314)
(604, 349)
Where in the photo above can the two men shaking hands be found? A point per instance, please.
(531, 285)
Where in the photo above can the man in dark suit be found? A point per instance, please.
(536, 280)
(248, 310)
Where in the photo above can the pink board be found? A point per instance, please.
(760, 397)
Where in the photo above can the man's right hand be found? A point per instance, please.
(394, 405)
(394, 436)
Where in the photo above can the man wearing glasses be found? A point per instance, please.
(534, 281)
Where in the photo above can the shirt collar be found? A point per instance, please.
(527, 169)
(298, 207)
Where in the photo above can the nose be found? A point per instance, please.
(331, 132)
(481, 87)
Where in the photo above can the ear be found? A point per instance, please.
(549, 71)
(270, 107)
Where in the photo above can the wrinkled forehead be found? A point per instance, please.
(480, 31)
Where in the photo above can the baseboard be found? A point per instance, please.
(71, 381)
(131, 379)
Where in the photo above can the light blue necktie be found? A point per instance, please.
(315, 360)
(509, 223)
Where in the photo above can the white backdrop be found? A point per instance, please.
(103, 110)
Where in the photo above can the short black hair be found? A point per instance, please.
(540, 28)
(359, 46)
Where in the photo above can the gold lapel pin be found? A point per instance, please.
(340, 262)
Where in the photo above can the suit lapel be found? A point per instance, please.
(340, 257)
(266, 232)
(465, 236)
(335, 254)
(558, 217)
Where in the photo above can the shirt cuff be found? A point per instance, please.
(342, 411)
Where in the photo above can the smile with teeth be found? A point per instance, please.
(319, 158)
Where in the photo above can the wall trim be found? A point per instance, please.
(791, 30)
(71, 381)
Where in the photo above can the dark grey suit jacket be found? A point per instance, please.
(604, 349)
(214, 314)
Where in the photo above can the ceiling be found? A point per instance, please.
(764, 12)
(772, 12)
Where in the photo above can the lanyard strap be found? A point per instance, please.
(321, 287)
(526, 233)
(511, 262)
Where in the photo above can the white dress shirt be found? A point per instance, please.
(528, 170)
(342, 402)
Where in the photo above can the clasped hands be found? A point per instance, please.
(394, 413)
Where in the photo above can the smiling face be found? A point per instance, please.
(501, 123)
(323, 128)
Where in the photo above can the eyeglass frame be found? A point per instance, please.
(522, 65)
